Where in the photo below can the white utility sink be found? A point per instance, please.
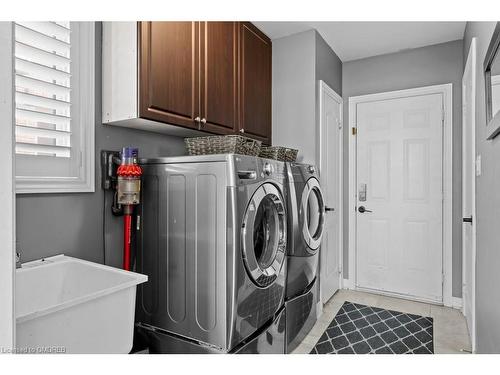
(68, 305)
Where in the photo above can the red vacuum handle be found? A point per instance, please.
(127, 231)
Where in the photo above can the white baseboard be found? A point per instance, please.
(456, 303)
(319, 309)
(346, 284)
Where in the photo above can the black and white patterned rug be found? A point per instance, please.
(360, 329)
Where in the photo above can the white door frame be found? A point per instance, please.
(446, 90)
(320, 161)
(471, 66)
(7, 195)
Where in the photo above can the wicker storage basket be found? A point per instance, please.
(227, 144)
(279, 153)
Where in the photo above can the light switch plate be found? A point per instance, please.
(478, 165)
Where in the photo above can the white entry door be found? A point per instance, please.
(330, 169)
(469, 190)
(399, 180)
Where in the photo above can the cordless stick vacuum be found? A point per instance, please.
(129, 188)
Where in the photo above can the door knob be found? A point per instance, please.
(197, 119)
(203, 121)
(242, 130)
(467, 219)
(362, 209)
(329, 209)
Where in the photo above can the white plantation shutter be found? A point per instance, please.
(54, 106)
(43, 88)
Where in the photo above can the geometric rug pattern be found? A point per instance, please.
(361, 329)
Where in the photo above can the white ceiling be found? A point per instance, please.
(357, 40)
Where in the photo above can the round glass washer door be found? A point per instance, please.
(313, 214)
(264, 235)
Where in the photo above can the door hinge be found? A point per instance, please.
(354, 130)
(442, 116)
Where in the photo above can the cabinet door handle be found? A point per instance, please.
(197, 119)
(203, 121)
(242, 130)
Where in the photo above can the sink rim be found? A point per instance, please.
(136, 278)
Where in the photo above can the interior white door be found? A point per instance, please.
(469, 190)
(399, 179)
(330, 169)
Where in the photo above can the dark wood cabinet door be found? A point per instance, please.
(255, 83)
(169, 72)
(219, 77)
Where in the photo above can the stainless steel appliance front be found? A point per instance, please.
(202, 287)
(306, 223)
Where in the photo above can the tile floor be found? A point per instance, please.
(450, 329)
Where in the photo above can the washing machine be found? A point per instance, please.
(212, 239)
(306, 217)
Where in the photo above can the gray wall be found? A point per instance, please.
(49, 224)
(299, 61)
(294, 103)
(328, 65)
(487, 205)
(431, 65)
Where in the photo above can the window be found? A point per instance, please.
(54, 106)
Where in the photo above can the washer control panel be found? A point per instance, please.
(251, 169)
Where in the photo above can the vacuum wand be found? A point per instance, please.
(129, 188)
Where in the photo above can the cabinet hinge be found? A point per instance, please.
(354, 130)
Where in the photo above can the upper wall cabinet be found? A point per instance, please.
(169, 72)
(219, 77)
(256, 83)
(187, 78)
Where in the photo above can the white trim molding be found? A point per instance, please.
(346, 284)
(7, 197)
(493, 127)
(446, 90)
(456, 303)
(84, 117)
(469, 139)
